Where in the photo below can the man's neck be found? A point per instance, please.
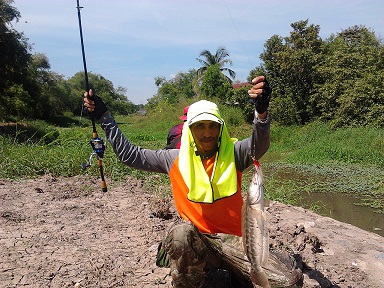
(207, 154)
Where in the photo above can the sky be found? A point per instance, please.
(131, 42)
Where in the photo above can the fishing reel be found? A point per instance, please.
(98, 147)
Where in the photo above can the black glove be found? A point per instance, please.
(262, 100)
(100, 107)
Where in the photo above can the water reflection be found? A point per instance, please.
(339, 206)
(342, 208)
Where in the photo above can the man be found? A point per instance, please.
(205, 176)
(174, 134)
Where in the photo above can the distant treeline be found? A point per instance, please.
(30, 90)
(338, 80)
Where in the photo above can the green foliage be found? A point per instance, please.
(175, 90)
(351, 91)
(214, 84)
(156, 124)
(290, 66)
(327, 98)
(169, 92)
(338, 80)
(36, 148)
(231, 115)
(311, 158)
(31, 132)
(53, 91)
(15, 102)
(275, 188)
(220, 59)
(116, 101)
(319, 158)
(319, 143)
(30, 90)
(15, 58)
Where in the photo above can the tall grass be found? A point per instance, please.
(310, 158)
(321, 159)
(317, 143)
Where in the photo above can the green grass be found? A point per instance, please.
(307, 159)
(316, 158)
(317, 144)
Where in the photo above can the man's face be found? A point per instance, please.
(206, 135)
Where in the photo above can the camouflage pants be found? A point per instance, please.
(193, 254)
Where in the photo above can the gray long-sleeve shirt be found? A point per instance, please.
(162, 160)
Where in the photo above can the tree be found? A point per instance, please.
(52, 92)
(29, 89)
(214, 84)
(220, 58)
(175, 89)
(291, 62)
(15, 58)
(352, 79)
(115, 99)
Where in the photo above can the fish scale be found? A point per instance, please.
(255, 233)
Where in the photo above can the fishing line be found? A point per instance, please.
(237, 31)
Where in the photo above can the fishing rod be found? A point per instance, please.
(97, 143)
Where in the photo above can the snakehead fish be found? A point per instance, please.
(255, 234)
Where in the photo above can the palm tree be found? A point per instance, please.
(219, 58)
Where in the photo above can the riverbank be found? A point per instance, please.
(64, 232)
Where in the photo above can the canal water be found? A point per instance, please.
(343, 207)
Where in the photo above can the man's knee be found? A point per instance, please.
(183, 239)
(194, 279)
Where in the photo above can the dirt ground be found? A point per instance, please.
(65, 232)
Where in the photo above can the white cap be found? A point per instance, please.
(203, 111)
